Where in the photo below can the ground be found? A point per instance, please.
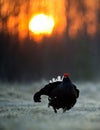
(19, 112)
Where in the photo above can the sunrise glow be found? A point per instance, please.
(41, 24)
(39, 19)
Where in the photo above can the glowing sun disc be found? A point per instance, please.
(41, 24)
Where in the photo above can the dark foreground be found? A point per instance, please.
(19, 112)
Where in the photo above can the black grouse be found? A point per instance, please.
(61, 94)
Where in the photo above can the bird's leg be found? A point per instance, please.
(55, 110)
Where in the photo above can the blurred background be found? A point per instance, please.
(73, 45)
(31, 54)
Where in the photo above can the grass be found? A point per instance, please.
(19, 112)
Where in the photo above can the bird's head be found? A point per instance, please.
(66, 77)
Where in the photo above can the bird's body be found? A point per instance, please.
(61, 94)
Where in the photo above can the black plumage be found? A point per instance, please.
(61, 94)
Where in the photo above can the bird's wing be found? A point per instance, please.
(46, 90)
(76, 91)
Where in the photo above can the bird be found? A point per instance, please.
(61, 94)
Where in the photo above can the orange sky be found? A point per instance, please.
(16, 15)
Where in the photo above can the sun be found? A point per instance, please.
(41, 24)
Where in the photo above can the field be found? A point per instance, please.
(19, 112)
